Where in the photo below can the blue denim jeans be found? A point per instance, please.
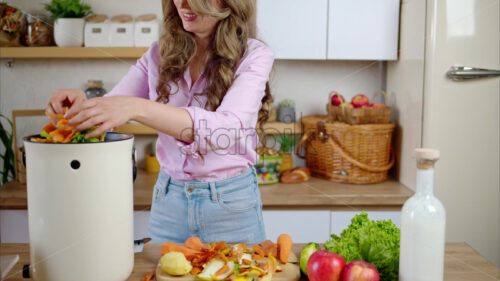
(229, 210)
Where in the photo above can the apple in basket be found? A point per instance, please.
(337, 99)
(347, 105)
(360, 100)
(379, 105)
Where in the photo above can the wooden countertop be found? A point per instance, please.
(313, 194)
(461, 263)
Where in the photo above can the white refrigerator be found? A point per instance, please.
(446, 88)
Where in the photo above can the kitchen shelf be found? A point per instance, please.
(71, 53)
(269, 128)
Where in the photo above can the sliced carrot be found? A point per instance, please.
(149, 276)
(49, 127)
(57, 136)
(41, 140)
(246, 262)
(222, 270)
(194, 243)
(62, 122)
(58, 116)
(221, 246)
(172, 247)
(259, 251)
(284, 247)
(269, 248)
(257, 257)
(195, 270)
(223, 257)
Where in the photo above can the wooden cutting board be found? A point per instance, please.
(291, 270)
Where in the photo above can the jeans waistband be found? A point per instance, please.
(166, 179)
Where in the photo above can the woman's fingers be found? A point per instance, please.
(104, 127)
(77, 105)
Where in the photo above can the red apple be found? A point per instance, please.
(324, 265)
(360, 100)
(337, 99)
(379, 105)
(360, 271)
(347, 104)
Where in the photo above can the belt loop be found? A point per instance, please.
(213, 192)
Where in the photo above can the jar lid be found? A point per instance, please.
(146, 17)
(426, 153)
(122, 18)
(94, 84)
(97, 18)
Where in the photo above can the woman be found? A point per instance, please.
(201, 87)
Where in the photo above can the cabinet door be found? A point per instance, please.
(363, 29)
(294, 29)
(342, 219)
(14, 226)
(303, 226)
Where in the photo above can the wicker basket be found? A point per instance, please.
(358, 116)
(346, 153)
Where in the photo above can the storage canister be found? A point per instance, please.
(146, 30)
(121, 31)
(80, 209)
(97, 31)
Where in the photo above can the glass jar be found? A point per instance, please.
(94, 89)
(36, 31)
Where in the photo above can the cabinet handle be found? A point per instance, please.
(461, 73)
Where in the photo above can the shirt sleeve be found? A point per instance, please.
(135, 82)
(237, 114)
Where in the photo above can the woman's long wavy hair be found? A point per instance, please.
(227, 47)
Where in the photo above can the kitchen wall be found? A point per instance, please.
(28, 83)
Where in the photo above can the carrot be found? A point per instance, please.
(195, 270)
(223, 258)
(257, 257)
(49, 127)
(172, 247)
(58, 116)
(269, 248)
(284, 247)
(62, 122)
(259, 251)
(69, 137)
(222, 270)
(194, 243)
(149, 276)
(220, 246)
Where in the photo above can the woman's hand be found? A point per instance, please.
(64, 98)
(106, 113)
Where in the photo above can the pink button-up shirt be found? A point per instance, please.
(226, 137)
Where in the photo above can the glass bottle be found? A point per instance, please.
(423, 220)
(94, 89)
(36, 31)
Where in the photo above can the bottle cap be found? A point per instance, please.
(94, 84)
(426, 153)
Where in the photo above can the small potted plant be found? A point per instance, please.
(69, 21)
(6, 138)
(287, 111)
(287, 143)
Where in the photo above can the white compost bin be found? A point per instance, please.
(80, 208)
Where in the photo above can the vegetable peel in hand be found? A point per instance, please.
(376, 242)
(61, 133)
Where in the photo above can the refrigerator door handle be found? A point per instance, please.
(461, 73)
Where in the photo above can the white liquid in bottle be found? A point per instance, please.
(423, 221)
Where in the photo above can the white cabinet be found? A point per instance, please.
(14, 225)
(363, 29)
(330, 29)
(294, 29)
(340, 220)
(303, 226)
